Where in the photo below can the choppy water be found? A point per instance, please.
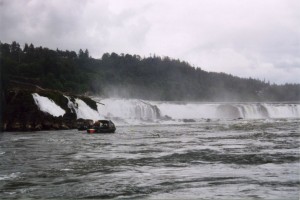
(245, 159)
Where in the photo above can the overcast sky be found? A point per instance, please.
(247, 38)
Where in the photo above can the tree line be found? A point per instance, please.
(130, 76)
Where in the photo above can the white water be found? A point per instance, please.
(283, 110)
(135, 111)
(245, 110)
(47, 105)
(82, 110)
(187, 111)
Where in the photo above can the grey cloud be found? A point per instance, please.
(249, 38)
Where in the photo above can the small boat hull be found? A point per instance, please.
(95, 130)
(91, 130)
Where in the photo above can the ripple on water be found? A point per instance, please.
(220, 159)
(10, 176)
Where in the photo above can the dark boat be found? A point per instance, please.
(102, 126)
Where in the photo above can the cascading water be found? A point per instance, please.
(77, 106)
(283, 110)
(48, 105)
(131, 109)
(231, 110)
(139, 111)
(82, 110)
(152, 111)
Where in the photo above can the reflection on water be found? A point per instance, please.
(246, 159)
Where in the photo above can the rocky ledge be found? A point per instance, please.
(21, 112)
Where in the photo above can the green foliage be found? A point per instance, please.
(89, 102)
(20, 106)
(127, 75)
(57, 97)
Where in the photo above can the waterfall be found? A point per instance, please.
(154, 111)
(48, 105)
(82, 110)
(131, 109)
(137, 111)
(283, 110)
(77, 106)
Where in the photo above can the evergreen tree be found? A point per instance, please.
(153, 78)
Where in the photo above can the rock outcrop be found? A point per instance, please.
(20, 112)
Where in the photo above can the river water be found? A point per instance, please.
(211, 159)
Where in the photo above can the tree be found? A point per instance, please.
(15, 50)
(80, 54)
(83, 55)
(159, 78)
(86, 54)
(25, 49)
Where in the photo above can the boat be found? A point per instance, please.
(102, 126)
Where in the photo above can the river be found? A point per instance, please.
(210, 159)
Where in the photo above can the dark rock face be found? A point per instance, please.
(46, 123)
(188, 120)
(20, 112)
(83, 124)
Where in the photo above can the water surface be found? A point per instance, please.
(218, 159)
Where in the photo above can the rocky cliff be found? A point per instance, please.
(31, 108)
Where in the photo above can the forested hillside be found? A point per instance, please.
(130, 76)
